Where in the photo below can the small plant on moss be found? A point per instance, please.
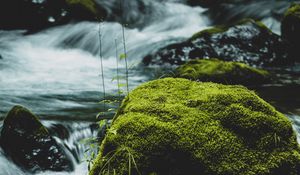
(90, 152)
(106, 169)
(92, 144)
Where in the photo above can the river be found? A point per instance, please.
(57, 74)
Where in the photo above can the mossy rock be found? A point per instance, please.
(225, 72)
(223, 28)
(290, 27)
(246, 41)
(88, 4)
(25, 120)
(28, 143)
(175, 126)
(92, 10)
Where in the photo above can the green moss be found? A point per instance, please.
(225, 72)
(294, 10)
(223, 28)
(25, 120)
(209, 32)
(88, 4)
(290, 28)
(174, 126)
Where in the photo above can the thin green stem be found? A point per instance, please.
(101, 60)
(124, 46)
(118, 78)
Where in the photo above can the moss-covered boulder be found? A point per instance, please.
(290, 27)
(175, 126)
(86, 9)
(28, 143)
(225, 72)
(247, 41)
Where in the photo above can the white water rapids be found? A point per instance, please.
(64, 60)
(57, 71)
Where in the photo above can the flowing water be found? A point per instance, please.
(56, 72)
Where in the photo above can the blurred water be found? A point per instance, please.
(56, 72)
(63, 61)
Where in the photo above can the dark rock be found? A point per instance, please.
(225, 72)
(59, 131)
(231, 11)
(290, 27)
(28, 143)
(210, 3)
(203, 3)
(36, 15)
(248, 41)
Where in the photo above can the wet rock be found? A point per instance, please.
(290, 28)
(225, 72)
(174, 126)
(35, 15)
(28, 143)
(231, 11)
(207, 3)
(248, 41)
(59, 131)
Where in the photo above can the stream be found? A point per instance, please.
(57, 73)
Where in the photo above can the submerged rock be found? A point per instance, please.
(290, 28)
(177, 127)
(28, 143)
(225, 72)
(247, 41)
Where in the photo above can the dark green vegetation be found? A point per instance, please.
(247, 41)
(28, 143)
(225, 72)
(177, 126)
(290, 27)
(88, 4)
